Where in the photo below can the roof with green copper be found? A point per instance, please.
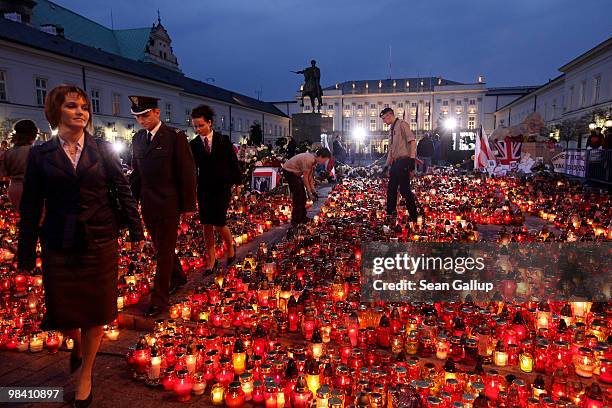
(126, 43)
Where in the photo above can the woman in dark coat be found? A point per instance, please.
(15, 158)
(217, 170)
(70, 176)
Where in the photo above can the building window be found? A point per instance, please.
(3, 86)
(445, 102)
(414, 104)
(347, 107)
(306, 108)
(426, 124)
(458, 103)
(372, 106)
(41, 91)
(427, 104)
(188, 116)
(471, 122)
(232, 125)
(360, 123)
(95, 101)
(386, 105)
(223, 122)
(330, 107)
(373, 125)
(472, 101)
(458, 111)
(386, 127)
(571, 98)
(372, 112)
(347, 125)
(413, 124)
(168, 116)
(596, 88)
(359, 106)
(583, 93)
(116, 104)
(400, 105)
(240, 124)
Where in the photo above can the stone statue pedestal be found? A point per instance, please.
(310, 126)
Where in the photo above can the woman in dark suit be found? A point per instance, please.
(217, 170)
(70, 176)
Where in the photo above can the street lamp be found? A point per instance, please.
(450, 124)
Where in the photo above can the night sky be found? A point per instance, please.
(251, 45)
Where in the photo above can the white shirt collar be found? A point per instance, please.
(79, 142)
(209, 137)
(156, 128)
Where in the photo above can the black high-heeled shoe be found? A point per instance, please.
(75, 362)
(232, 259)
(77, 403)
(208, 272)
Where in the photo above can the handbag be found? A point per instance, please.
(113, 195)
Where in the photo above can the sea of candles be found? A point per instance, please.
(282, 302)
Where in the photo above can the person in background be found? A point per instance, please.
(595, 140)
(291, 147)
(164, 181)
(299, 173)
(400, 163)
(437, 146)
(15, 158)
(69, 176)
(339, 150)
(425, 152)
(3, 148)
(217, 171)
(607, 142)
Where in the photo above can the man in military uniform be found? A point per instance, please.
(164, 181)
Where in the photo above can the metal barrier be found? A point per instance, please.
(598, 166)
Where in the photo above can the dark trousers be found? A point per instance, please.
(169, 271)
(399, 177)
(298, 197)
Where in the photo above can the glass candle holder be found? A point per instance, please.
(526, 362)
(183, 386)
(217, 394)
(235, 397)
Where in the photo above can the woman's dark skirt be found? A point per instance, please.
(81, 285)
(213, 205)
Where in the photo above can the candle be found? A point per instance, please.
(584, 362)
(235, 397)
(239, 357)
(442, 346)
(246, 381)
(526, 362)
(53, 342)
(323, 395)
(199, 384)
(36, 342)
(112, 333)
(302, 394)
(183, 386)
(216, 394)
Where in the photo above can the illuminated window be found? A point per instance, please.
(471, 122)
(413, 124)
(372, 125)
(360, 123)
(386, 127)
(116, 104)
(347, 124)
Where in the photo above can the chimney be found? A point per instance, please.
(17, 10)
(52, 29)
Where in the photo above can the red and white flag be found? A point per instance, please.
(482, 151)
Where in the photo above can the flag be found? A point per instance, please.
(508, 151)
(482, 151)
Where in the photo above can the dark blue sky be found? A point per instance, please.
(246, 45)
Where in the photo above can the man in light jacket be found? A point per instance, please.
(400, 162)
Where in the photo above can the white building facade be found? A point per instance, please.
(425, 103)
(583, 89)
(33, 60)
